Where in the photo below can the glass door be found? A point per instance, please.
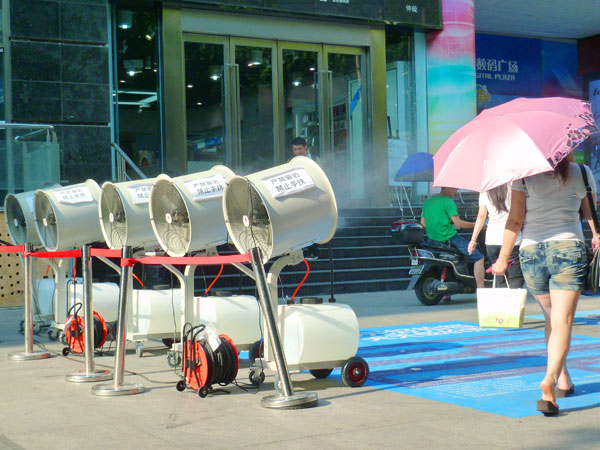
(253, 104)
(206, 114)
(300, 103)
(347, 127)
(246, 100)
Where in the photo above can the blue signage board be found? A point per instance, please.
(509, 65)
(488, 369)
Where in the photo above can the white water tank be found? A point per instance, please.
(156, 314)
(318, 333)
(237, 316)
(105, 299)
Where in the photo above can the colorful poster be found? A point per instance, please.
(593, 142)
(451, 72)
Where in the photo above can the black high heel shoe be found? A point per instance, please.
(547, 407)
(564, 392)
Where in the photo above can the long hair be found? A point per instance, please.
(498, 196)
(561, 170)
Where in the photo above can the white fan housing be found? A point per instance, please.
(20, 218)
(68, 217)
(281, 209)
(123, 213)
(186, 212)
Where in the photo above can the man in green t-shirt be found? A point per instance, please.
(440, 219)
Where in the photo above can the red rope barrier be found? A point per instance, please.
(187, 260)
(12, 248)
(61, 254)
(106, 252)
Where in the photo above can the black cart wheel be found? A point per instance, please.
(180, 386)
(355, 372)
(320, 373)
(256, 351)
(52, 334)
(423, 289)
(173, 359)
(256, 378)
(66, 351)
(203, 391)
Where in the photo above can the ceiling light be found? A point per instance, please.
(296, 83)
(121, 81)
(199, 103)
(125, 19)
(189, 86)
(312, 69)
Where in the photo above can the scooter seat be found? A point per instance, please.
(441, 246)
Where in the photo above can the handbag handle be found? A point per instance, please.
(588, 192)
(494, 282)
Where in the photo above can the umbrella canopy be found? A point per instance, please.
(517, 139)
(417, 167)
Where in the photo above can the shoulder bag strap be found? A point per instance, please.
(588, 191)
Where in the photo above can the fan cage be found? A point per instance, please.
(169, 215)
(111, 207)
(48, 233)
(16, 222)
(247, 218)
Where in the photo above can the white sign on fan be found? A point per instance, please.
(205, 188)
(287, 183)
(140, 193)
(74, 195)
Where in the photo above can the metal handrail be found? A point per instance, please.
(122, 160)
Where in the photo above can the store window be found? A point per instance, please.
(137, 86)
(401, 110)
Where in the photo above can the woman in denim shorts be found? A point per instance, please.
(545, 208)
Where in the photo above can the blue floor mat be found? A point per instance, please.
(591, 317)
(488, 369)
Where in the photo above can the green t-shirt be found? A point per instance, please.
(437, 211)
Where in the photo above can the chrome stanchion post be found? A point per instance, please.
(118, 388)
(29, 354)
(287, 399)
(90, 373)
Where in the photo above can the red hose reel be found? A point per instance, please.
(203, 366)
(74, 332)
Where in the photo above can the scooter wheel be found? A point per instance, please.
(422, 291)
(180, 386)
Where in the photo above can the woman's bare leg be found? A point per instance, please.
(559, 310)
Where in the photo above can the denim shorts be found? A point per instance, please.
(554, 265)
(463, 246)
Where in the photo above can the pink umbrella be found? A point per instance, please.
(517, 139)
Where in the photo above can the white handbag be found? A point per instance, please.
(501, 307)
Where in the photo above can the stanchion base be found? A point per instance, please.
(84, 377)
(297, 401)
(110, 390)
(25, 356)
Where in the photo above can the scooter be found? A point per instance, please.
(437, 270)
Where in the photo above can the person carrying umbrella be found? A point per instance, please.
(529, 142)
(495, 203)
(438, 217)
(545, 208)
